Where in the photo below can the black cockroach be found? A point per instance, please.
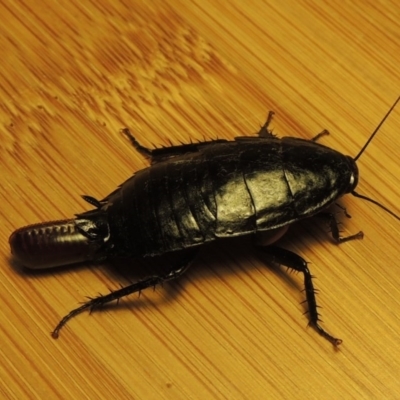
(198, 193)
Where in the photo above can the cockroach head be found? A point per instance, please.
(353, 182)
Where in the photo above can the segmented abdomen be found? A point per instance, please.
(51, 244)
(197, 198)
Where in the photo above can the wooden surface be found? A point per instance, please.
(71, 76)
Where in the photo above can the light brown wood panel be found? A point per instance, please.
(72, 75)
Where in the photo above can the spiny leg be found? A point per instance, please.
(101, 300)
(334, 225)
(92, 200)
(344, 209)
(264, 131)
(293, 261)
(145, 151)
(163, 153)
(325, 132)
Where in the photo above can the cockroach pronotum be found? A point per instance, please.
(197, 193)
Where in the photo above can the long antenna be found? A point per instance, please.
(376, 130)
(360, 196)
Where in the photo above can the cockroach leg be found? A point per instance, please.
(294, 261)
(98, 302)
(335, 232)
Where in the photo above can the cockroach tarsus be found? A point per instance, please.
(197, 193)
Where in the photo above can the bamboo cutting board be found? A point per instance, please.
(73, 75)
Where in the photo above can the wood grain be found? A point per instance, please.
(72, 75)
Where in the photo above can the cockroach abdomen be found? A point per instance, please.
(51, 244)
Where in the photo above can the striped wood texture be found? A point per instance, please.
(72, 75)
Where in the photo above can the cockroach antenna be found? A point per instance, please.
(360, 196)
